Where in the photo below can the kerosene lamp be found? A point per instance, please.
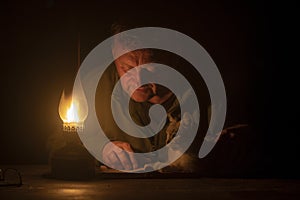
(72, 161)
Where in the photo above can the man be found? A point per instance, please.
(117, 154)
(228, 157)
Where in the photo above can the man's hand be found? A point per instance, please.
(119, 155)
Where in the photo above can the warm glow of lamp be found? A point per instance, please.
(73, 112)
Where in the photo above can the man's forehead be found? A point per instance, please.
(134, 56)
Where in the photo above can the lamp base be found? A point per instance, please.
(72, 162)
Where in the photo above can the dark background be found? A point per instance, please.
(39, 60)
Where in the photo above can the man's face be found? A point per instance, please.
(129, 61)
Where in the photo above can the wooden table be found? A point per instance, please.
(37, 186)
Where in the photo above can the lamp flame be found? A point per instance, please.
(69, 110)
(72, 113)
(73, 110)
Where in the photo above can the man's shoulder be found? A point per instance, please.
(110, 74)
(106, 83)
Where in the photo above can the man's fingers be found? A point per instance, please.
(127, 147)
(124, 160)
(120, 155)
(114, 161)
(118, 158)
(133, 160)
